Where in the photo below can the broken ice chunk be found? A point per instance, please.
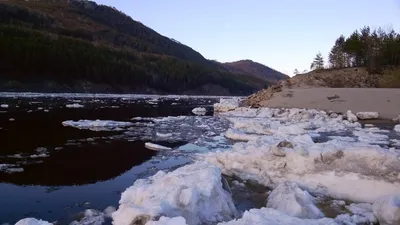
(194, 192)
(387, 210)
(32, 221)
(199, 111)
(367, 115)
(290, 199)
(156, 147)
(74, 106)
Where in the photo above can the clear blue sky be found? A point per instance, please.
(282, 34)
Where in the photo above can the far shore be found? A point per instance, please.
(384, 101)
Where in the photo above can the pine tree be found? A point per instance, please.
(337, 57)
(318, 62)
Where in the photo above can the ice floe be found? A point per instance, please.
(397, 128)
(367, 115)
(97, 125)
(268, 216)
(387, 210)
(74, 106)
(351, 117)
(94, 217)
(194, 192)
(156, 147)
(353, 168)
(226, 104)
(32, 221)
(199, 111)
(290, 199)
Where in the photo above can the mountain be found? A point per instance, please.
(256, 69)
(80, 46)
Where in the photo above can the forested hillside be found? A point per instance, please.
(256, 69)
(51, 45)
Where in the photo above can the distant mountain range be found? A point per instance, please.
(80, 46)
(255, 69)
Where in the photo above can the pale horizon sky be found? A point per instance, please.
(284, 35)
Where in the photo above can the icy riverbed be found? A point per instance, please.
(304, 158)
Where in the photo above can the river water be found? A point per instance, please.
(55, 172)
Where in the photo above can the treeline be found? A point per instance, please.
(374, 49)
(28, 55)
(96, 23)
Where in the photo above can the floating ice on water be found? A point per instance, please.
(74, 106)
(290, 199)
(32, 221)
(367, 115)
(4, 106)
(199, 111)
(239, 135)
(155, 147)
(164, 135)
(226, 104)
(96, 125)
(194, 192)
(10, 168)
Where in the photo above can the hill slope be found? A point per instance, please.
(77, 45)
(325, 78)
(256, 69)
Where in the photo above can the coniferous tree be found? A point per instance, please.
(318, 62)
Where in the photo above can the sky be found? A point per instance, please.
(282, 34)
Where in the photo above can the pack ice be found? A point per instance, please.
(97, 125)
(280, 148)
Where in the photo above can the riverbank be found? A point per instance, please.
(382, 100)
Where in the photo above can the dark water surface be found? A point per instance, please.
(67, 170)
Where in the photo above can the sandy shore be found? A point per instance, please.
(384, 101)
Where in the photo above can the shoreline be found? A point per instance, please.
(384, 101)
